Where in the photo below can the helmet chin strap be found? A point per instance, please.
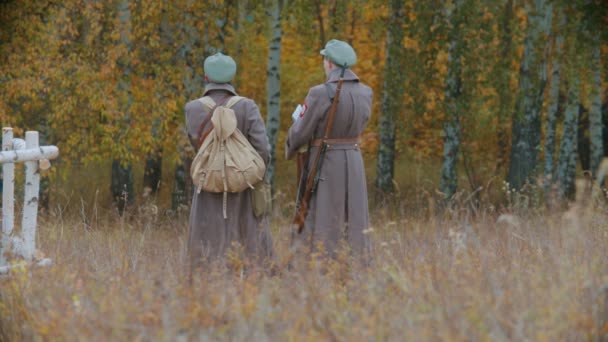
(343, 70)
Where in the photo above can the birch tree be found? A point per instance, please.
(392, 96)
(504, 74)
(566, 167)
(553, 101)
(595, 112)
(273, 84)
(193, 56)
(526, 127)
(453, 90)
(154, 60)
(122, 174)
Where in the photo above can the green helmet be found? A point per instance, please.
(340, 53)
(219, 68)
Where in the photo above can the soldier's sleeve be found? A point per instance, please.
(257, 132)
(304, 129)
(189, 113)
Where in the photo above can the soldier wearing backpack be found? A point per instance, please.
(337, 209)
(225, 129)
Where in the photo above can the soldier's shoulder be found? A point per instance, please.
(245, 99)
(247, 102)
(366, 87)
(193, 105)
(319, 89)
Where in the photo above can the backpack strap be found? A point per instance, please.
(208, 101)
(233, 100)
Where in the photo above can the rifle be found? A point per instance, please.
(312, 180)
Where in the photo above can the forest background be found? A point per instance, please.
(472, 97)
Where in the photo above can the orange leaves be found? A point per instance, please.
(410, 43)
(369, 142)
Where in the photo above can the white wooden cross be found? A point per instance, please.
(35, 157)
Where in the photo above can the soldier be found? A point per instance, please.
(210, 234)
(338, 207)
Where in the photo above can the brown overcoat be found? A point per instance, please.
(338, 209)
(209, 233)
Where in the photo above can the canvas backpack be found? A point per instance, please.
(225, 161)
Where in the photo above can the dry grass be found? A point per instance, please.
(540, 277)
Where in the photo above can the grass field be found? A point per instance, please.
(521, 272)
(539, 276)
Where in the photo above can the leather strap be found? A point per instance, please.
(206, 120)
(319, 142)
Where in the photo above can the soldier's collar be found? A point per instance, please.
(219, 86)
(349, 75)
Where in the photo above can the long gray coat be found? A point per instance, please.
(338, 209)
(209, 233)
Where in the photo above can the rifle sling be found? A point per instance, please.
(310, 182)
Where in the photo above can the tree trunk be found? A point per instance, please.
(193, 83)
(319, 12)
(505, 99)
(180, 197)
(566, 167)
(453, 89)
(153, 173)
(595, 112)
(222, 25)
(154, 159)
(273, 86)
(122, 175)
(392, 96)
(553, 106)
(122, 185)
(526, 128)
(44, 196)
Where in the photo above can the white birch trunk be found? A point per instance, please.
(30, 154)
(192, 80)
(273, 86)
(28, 151)
(526, 128)
(8, 191)
(595, 112)
(453, 88)
(504, 74)
(550, 128)
(566, 168)
(30, 207)
(122, 176)
(392, 97)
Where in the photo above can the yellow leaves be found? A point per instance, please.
(171, 106)
(410, 43)
(411, 14)
(442, 63)
(434, 101)
(369, 142)
(521, 15)
(115, 35)
(487, 16)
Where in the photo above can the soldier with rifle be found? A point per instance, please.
(332, 197)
